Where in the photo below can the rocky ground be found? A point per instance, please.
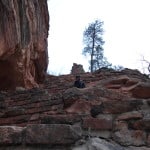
(111, 113)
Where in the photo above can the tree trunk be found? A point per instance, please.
(92, 54)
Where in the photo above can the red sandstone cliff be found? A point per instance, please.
(24, 26)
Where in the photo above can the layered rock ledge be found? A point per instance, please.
(112, 112)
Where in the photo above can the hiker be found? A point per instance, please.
(79, 83)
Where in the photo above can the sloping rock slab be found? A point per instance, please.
(100, 144)
(51, 134)
(10, 135)
(142, 90)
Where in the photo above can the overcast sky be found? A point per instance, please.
(126, 36)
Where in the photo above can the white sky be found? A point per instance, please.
(126, 36)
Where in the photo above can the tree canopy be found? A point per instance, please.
(93, 41)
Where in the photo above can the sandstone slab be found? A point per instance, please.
(11, 135)
(97, 124)
(54, 134)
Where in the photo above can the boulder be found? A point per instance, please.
(77, 69)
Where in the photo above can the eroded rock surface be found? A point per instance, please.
(24, 26)
(104, 115)
(77, 69)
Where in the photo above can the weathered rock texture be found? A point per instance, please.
(24, 28)
(106, 115)
(77, 69)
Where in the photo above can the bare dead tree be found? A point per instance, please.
(147, 62)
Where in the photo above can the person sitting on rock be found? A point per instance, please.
(79, 83)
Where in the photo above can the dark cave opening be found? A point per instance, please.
(7, 75)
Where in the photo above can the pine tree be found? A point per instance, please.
(92, 38)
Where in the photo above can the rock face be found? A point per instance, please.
(24, 26)
(77, 69)
(106, 115)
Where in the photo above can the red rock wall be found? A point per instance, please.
(105, 115)
(24, 26)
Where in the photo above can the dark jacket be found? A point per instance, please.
(79, 84)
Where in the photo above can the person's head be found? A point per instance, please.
(77, 77)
